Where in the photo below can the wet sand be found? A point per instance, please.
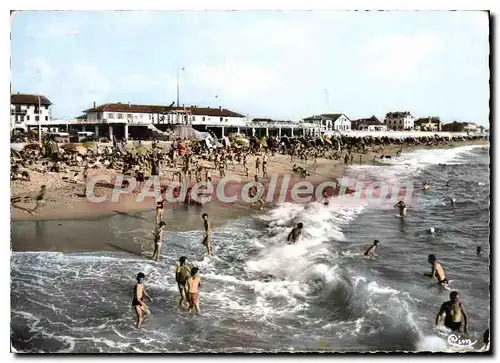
(69, 224)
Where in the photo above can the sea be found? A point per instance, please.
(259, 294)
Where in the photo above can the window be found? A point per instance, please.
(129, 115)
(221, 119)
(46, 118)
(37, 118)
(185, 118)
(120, 116)
(27, 118)
(98, 116)
(226, 119)
(110, 115)
(203, 118)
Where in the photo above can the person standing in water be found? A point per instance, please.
(193, 285)
(159, 210)
(402, 208)
(158, 233)
(426, 186)
(371, 250)
(295, 233)
(139, 305)
(207, 238)
(437, 270)
(253, 192)
(454, 314)
(182, 273)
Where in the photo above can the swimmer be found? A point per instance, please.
(452, 201)
(432, 230)
(193, 283)
(182, 273)
(207, 238)
(402, 208)
(426, 186)
(294, 235)
(437, 270)
(447, 183)
(139, 306)
(371, 250)
(158, 234)
(453, 312)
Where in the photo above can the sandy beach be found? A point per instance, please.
(65, 200)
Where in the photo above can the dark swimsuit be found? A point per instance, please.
(159, 205)
(448, 320)
(443, 281)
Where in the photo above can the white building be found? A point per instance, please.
(368, 124)
(399, 121)
(29, 110)
(330, 122)
(121, 113)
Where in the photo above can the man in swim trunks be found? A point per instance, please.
(182, 273)
(371, 250)
(402, 208)
(193, 283)
(253, 191)
(295, 233)
(158, 233)
(207, 238)
(437, 270)
(453, 311)
(139, 306)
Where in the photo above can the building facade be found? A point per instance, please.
(399, 121)
(368, 124)
(462, 127)
(28, 111)
(330, 122)
(428, 124)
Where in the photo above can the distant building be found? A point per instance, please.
(28, 110)
(428, 124)
(330, 122)
(368, 124)
(399, 121)
(456, 126)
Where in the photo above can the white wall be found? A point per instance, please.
(400, 122)
(342, 124)
(19, 121)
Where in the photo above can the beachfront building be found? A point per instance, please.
(330, 122)
(124, 120)
(399, 121)
(27, 111)
(456, 126)
(368, 124)
(428, 124)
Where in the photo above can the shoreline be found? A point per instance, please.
(63, 207)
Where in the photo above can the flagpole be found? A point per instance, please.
(177, 86)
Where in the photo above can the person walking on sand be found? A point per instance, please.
(207, 238)
(158, 234)
(39, 199)
(257, 165)
(193, 285)
(182, 273)
(137, 301)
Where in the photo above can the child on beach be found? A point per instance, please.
(193, 283)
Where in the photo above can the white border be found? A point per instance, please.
(184, 5)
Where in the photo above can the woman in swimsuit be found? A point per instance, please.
(137, 303)
(159, 211)
(158, 233)
(193, 283)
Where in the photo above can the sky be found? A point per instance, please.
(282, 65)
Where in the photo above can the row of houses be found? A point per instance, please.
(28, 111)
